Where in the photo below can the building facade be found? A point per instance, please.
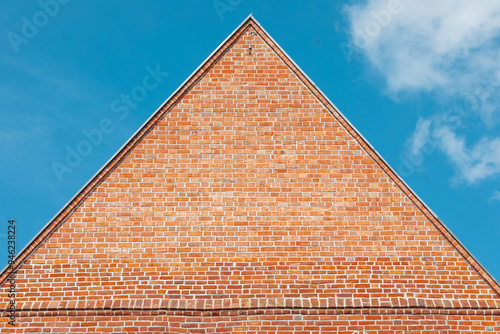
(248, 204)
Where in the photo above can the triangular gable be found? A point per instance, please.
(188, 88)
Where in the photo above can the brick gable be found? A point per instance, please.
(248, 196)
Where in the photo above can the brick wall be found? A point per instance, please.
(249, 207)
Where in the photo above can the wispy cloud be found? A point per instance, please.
(34, 131)
(51, 77)
(430, 45)
(495, 196)
(473, 162)
(20, 132)
(420, 137)
(447, 48)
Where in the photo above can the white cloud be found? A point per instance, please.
(473, 163)
(496, 196)
(450, 49)
(445, 46)
(420, 137)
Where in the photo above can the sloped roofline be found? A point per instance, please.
(165, 107)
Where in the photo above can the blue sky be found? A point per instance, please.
(420, 81)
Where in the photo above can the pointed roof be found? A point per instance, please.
(185, 87)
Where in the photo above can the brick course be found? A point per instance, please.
(249, 204)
